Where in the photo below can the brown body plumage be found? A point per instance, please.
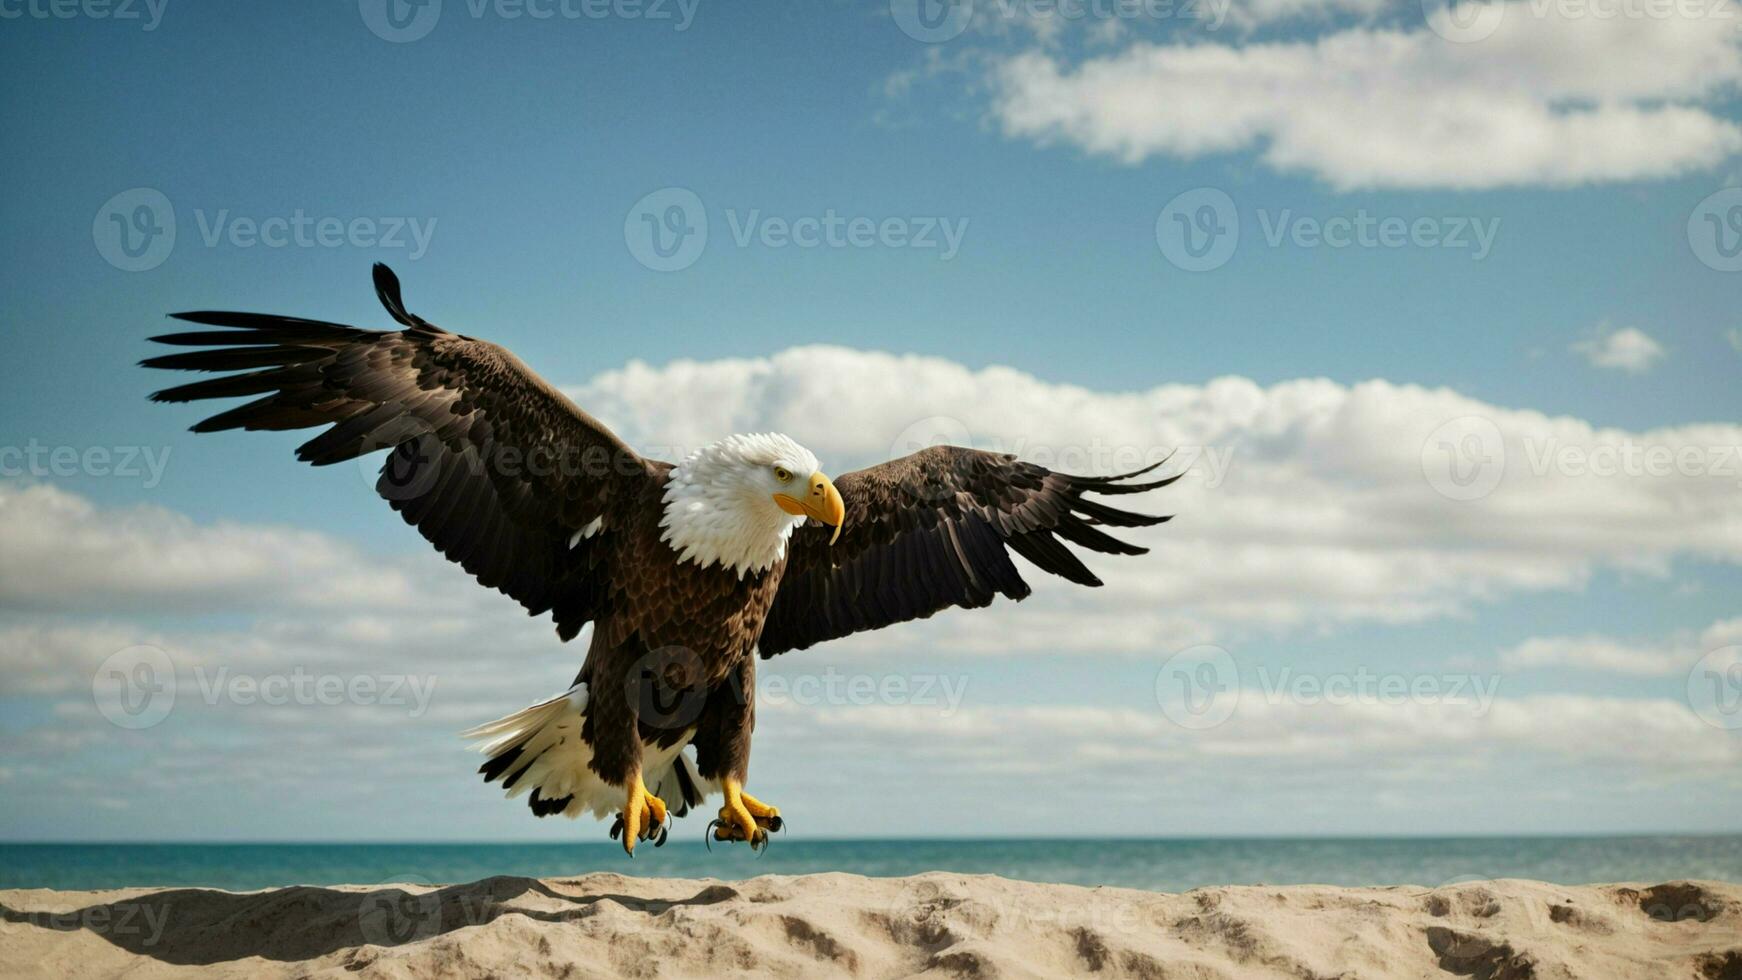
(532, 496)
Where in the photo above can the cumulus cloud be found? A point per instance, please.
(63, 552)
(1306, 503)
(1595, 652)
(1628, 349)
(1055, 23)
(1276, 749)
(1267, 733)
(1548, 99)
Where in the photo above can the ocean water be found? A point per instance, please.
(1164, 865)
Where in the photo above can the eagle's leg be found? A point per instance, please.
(643, 816)
(744, 817)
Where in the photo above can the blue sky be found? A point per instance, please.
(524, 147)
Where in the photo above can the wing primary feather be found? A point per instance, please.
(387, 288)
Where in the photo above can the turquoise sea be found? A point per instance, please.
(1165, 865)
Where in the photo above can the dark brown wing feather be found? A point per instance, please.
(492, 465)
(929, 531)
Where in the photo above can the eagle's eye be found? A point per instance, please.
(783, 474)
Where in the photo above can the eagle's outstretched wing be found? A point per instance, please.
(500, 471)
(929, 531)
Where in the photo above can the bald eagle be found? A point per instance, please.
(687, 571)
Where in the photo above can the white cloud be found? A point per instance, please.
(1675, 655)
(63, 552)
(1248, 14)
(1548, 99)
(1053, 23)
(1265, 737)
(1307, 504)
(1309, 508)
(1628, 349)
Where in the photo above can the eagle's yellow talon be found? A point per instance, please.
(643, 816)
(758, 809)
(743, 817)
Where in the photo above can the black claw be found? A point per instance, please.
(663, 834)
(776, 824)
(708, 834)
(617, 827)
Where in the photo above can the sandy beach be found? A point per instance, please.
(942, 925)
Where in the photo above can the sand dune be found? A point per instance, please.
(942, 925)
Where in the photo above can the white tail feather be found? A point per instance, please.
(540, 750)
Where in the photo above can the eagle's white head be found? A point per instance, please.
(737, 501)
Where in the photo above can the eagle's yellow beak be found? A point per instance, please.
(821, 501)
